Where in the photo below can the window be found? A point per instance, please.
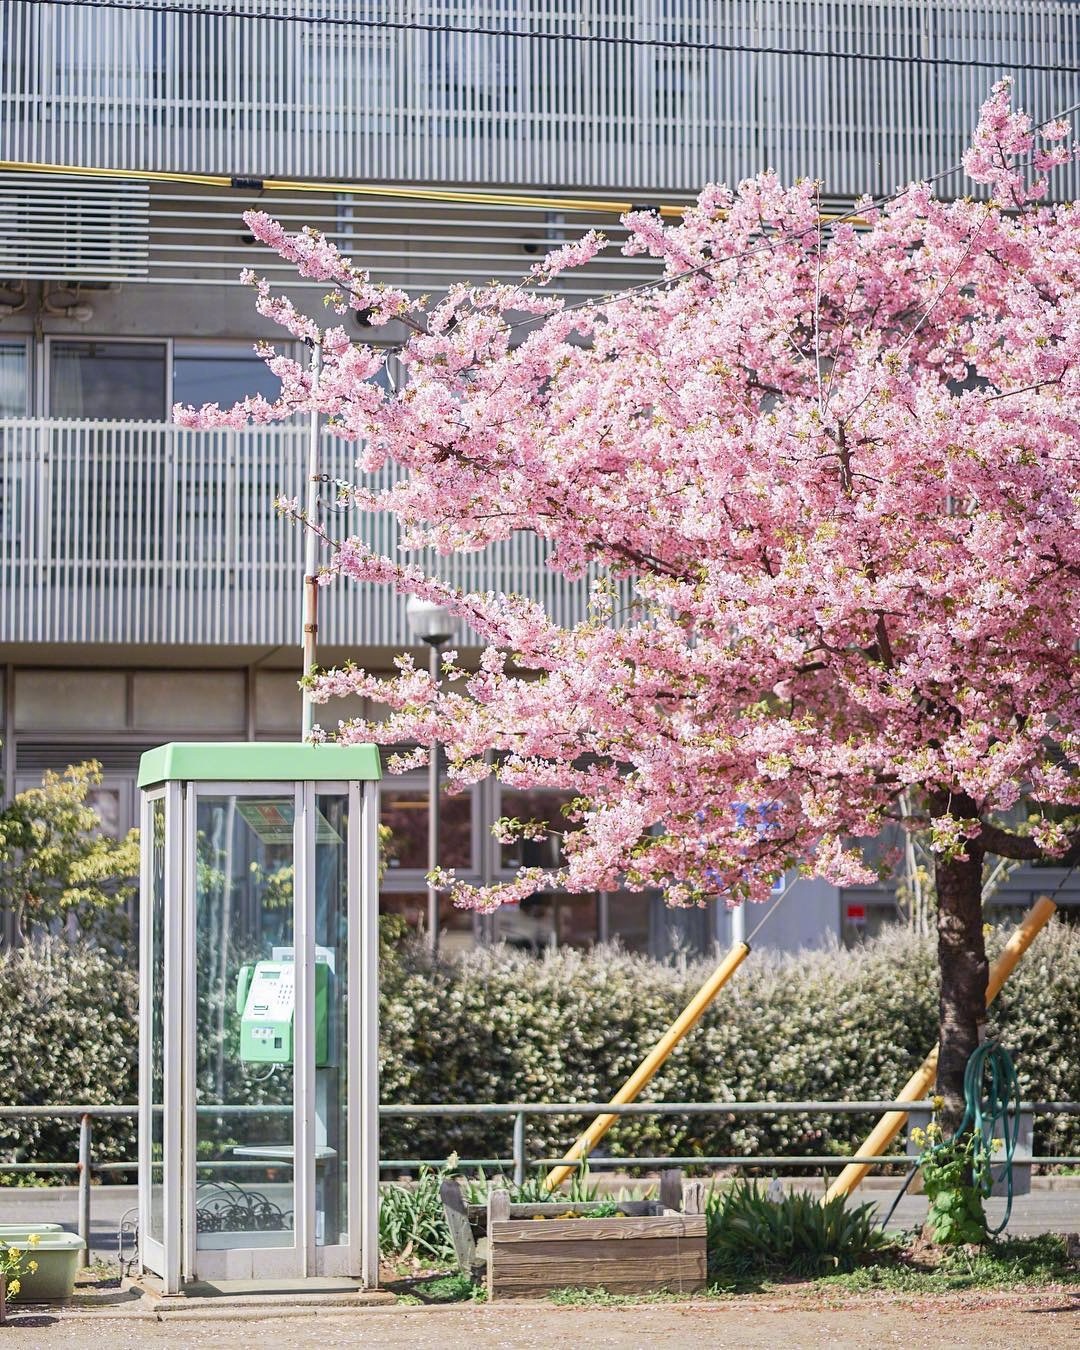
(466, 74)
(405, 811)
(114, 380)
(630, 919)
(549, 919)
(13, 379)
(456, 926)
(536, 804)
(220, 372)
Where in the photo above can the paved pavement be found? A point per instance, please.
(1043, 1211)
(1043, 1318)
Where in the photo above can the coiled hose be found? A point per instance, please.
(983, 1114)
(987, 1110)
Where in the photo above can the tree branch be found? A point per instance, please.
(1021, 847)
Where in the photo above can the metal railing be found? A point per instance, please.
(519, 1161)
(145, 532)
(628, 93)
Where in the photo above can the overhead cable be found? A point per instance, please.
(1004, 65)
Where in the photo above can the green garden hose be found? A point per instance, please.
(983, 1114)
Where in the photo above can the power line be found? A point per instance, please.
(601, 39)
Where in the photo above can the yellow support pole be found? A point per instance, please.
(646, 1070)
(921, 1081)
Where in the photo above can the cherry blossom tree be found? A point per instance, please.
(830, 474)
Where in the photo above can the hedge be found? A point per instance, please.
(68, 1034)
(832, 1025)
(497, 1025)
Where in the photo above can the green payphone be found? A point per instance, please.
(266, 1001)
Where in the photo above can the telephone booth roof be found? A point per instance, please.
(257, 761)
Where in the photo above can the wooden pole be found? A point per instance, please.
(647, 1069)
(921, 1081)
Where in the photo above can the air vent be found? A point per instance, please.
(72, 229)
(34, 757)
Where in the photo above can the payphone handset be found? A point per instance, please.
(266, 1002)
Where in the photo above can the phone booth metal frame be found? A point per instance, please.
(264, 852)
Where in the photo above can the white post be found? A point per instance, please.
(738, 924)
(304, 1027)
(367, 968)
(189, 1153)
(434, 823)
(146, 975)
(310, 603)
(354, 1028)
(173, 1037)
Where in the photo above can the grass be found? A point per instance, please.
(1010, 1264)
(1007, 1264)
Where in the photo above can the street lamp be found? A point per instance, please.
(432, 624)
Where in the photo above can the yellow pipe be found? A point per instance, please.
(394, 192)
(921, 1081)
(646, 1070)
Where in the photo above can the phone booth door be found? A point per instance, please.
(275, 997)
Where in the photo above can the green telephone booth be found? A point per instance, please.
(258, 1072)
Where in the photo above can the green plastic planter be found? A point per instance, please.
(9, 1232)
(57, 1255)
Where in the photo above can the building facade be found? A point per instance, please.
(147, 591)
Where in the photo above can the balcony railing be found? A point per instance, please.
(142, 532)
(585, 95)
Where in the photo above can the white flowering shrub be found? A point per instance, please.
(502, 1026)
(68, 1034)
(498, 1026)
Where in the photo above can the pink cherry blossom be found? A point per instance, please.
(827, 476)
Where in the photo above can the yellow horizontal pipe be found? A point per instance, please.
(646, 1070)
(393, 191)
(922, 1080)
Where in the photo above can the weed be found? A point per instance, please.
(1002, 1264)
(602, 1298)
(443, 1288)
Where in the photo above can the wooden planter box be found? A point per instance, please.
(532, 1249)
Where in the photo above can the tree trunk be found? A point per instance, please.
(963, 966)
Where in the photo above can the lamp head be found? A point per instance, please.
(429, 622)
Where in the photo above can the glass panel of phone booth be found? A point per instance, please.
(331, 1060)
(156, 912)
(244, 1052)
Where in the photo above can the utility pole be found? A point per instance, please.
(432, 624)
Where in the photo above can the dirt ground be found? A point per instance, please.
(985, 1321)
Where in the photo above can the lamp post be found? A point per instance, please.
(431, 623)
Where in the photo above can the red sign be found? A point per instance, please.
(856, 914)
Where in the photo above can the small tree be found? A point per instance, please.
(833, 475)
(56, 864)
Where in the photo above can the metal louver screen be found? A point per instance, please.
(73, 230)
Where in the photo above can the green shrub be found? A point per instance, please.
(498, 1025)
(68, 1034)
(798, 1234)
